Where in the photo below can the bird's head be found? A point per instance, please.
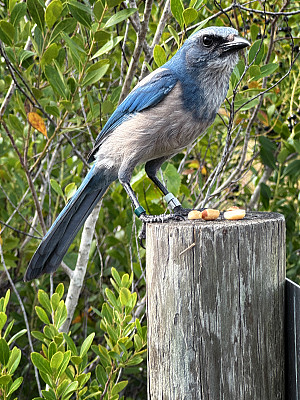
(214, 47)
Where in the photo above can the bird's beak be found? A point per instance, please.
(233, 44)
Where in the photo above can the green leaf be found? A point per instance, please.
(37, 13)
(14, 360)
(70, 343)
(267, 149)
(125, 296)
(52, 349)
(44, 300)
(83, 378)
(53, 12)
(15, 385)
(60, 314)
(174, 34)
(67, 25)
(254, 29)
(135, 360)
(80, 12)
(108, 46)
(116, 276)
(55, 298)
(6, 300)
(177, 11)
(5, 379)
(25, 54)
(64, 363)
(189, 15)
(118, 387)
(49, 394)
(93, 76)
(119, 17)
(75, 49)
(256, 52)
(4, 352)
(71, 388)
(159, 55)
(56, 81)
(16, 336)
(62, 387)
(86, 344)
(16, 124)
(60, 290)
(70, 190)
(38, 335)
(172, 178)
(113, 3)
(41, 363)
(267, 70)
(55, 186)
(101, 375)
(3, 319)
(76, 360)
(247, 106)
(265, 195)
(7, 32)
(292, 169)
(50, 53)
(56, 360)
(8, 329)
(111, 298)
(18, 12)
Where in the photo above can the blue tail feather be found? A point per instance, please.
(58, 239)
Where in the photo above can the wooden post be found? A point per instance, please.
(216, 309)
(292, 339)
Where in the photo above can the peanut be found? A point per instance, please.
(235, 214)
(195, 214)
(210, 214)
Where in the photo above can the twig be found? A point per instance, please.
(29, 179)
(17, 230)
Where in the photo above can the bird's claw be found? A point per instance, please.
(161, 218)
(179, 210)
(142, 235)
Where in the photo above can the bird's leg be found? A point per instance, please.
(140, 212)
(151, 168)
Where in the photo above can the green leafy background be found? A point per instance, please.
(75, 68)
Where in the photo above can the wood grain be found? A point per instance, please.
(215, 309)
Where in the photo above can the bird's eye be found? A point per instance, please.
(207, 41)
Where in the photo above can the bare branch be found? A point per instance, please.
(77, 276)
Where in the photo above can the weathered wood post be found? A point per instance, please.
(216, 309)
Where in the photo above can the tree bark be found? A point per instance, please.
(216, 309)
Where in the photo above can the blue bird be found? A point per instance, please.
(162, 115)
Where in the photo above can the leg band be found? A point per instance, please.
(172, 200)
(139, 210)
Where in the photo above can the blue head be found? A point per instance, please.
(214, 48)
(204, 65)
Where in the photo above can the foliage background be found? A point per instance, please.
(64, 67)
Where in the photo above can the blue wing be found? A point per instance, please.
(149, 92)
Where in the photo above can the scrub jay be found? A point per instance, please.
(162, 115)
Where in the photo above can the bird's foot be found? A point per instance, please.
(145, 218)
(179, 210)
